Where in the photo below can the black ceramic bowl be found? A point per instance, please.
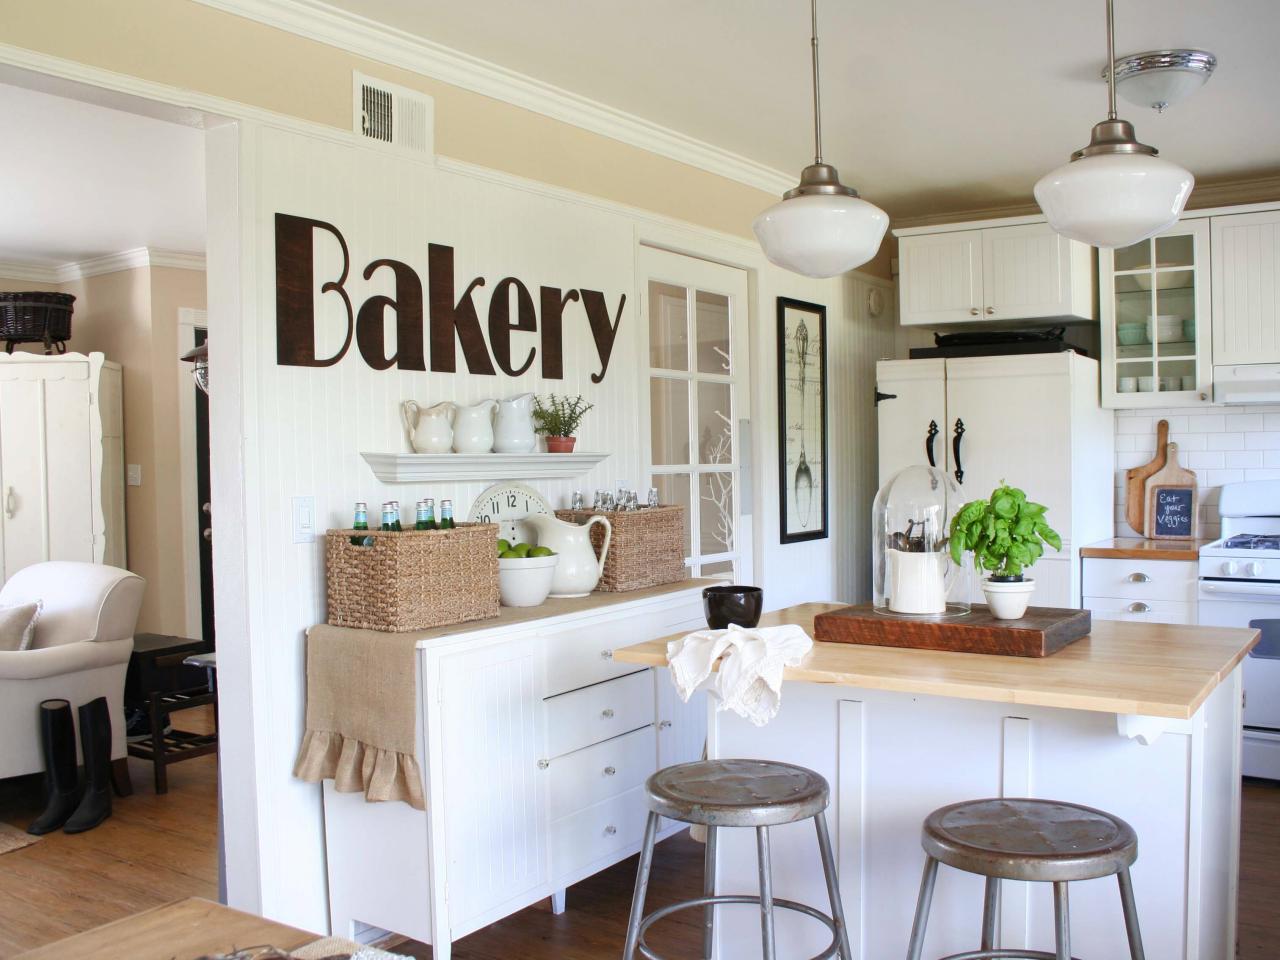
(732, 604)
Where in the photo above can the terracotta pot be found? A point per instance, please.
(561, 444)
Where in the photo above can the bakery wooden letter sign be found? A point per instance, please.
(453, 317)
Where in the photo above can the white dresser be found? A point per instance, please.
(1129, 578)
(535, 745)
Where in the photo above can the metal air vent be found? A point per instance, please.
(393, 115)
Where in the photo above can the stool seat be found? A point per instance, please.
(1034, 840)
(737, 793)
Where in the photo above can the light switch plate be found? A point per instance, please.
(133, 475)
(304, 519)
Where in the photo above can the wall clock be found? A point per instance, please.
(506, 504)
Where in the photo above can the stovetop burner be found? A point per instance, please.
(1253, 541)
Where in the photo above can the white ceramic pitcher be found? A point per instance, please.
(429, 429)
(473, 428)
(578, 571)
(513, 432)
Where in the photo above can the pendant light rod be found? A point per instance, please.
(1111, 59)
(817, 88)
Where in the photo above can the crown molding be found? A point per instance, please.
(375, 41)
(176, 259)
(97, 266)
(29, 272)
(1228, 193)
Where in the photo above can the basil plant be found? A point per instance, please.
(1006, 533)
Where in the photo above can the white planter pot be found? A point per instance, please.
(1008, 601)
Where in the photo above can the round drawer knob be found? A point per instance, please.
(610, 771)
(606, 654)
(1139, 578)
(607, 713)
(1139, 607)
(543, 764)
(610, 830)
(974, 311)
(990, 311)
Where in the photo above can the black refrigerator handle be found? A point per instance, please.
(955, 449)
(928, 441)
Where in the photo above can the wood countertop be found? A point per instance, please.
(1138, 548)
(1145, 669)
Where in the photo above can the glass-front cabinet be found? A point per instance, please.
(1155, 307)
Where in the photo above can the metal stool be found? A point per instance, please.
(1034, 840)
(737, 793)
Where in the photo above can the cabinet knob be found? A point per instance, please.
(610, 830)
(990, 311)
(610, 771)
(10, 504)
(663, 725)
(606, 654)
(1139, 607)
(974, 311)
(543, 764)
(1139, 578)
(607, 713)
(1204, 396)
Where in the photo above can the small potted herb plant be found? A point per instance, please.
(558, 420)
(1006, 533)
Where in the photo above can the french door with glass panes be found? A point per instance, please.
(698, 408)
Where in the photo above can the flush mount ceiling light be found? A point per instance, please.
(821, 228)
(1116, 191)
(1161, 78)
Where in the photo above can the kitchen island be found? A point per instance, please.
(1140, 720)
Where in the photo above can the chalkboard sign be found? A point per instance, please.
(1173, 512)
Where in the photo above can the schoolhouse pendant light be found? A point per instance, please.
(821, 228)
(1116, 191)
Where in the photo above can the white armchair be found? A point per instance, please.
(81, 651)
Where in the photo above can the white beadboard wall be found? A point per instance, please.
(300, 430)
(1221, 444)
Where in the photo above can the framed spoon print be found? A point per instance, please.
(802, 420)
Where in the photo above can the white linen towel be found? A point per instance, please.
(749, 681)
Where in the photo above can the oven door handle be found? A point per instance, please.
(1232, 588)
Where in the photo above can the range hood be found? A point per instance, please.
(1247, 383)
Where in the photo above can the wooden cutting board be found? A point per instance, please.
(1041, 632)
(1169, 511)
(1135, 486)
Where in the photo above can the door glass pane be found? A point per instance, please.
(669, 420)
(721, 571)
(1176, 308)
(673, 490)
(1136, 257)
(713, 333)
(715, 507)
(668, 326)
(1175, 251)
(715, 423)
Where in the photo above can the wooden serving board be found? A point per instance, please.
(1172, 495)
(1135, 482)
(1041, 632)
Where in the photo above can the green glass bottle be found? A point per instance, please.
(395, 516)
(421, 522)
(387, 517)
(429, 505)
(361, 522)
(446, 515)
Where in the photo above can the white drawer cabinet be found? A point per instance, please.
(534, 746)
(1154, 591)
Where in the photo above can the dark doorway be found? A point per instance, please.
(204, 521)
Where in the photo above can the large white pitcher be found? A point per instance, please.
(428, 429)
(514, 430)
(578, 571)
(473, 428)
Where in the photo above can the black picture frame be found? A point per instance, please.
(803, 500)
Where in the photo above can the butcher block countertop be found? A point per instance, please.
(1145, 669)
(1138, 548)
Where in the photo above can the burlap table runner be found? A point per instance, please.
(361, 702)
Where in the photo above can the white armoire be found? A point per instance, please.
(61, 460)
(1034, 421)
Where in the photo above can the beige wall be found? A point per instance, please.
(186, 44)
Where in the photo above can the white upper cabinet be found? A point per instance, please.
(1246, 288)
(1020, 271)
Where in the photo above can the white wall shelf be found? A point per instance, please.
(461, 467)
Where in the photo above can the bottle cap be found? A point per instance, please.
(361, 505)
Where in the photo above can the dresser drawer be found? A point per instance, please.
(601, 771)
(601, 830)
(1176, 580)
(584, 655)
(1156, 611)
(592, 714)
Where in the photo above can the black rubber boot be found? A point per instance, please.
(95, 744)
(58, 744)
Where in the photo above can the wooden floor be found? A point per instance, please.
(157, 849)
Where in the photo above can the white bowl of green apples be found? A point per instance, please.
(524, 573)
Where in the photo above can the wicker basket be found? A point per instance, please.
(412, 580)
(36, 316)
(647, 548)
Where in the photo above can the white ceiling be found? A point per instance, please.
(930, 106)
(79, 181)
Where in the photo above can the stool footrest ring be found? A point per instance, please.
(828, 954)
(1003, 955)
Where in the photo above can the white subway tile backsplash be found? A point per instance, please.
(1263, 440)
(1200, 460)
(1271, 421)
(1213, 423)
(1126, 441)
(1129, 460)
(1244, 458)
(1271, 458)
(1135, 425)
(1224, 441)
(1217, 478)
(1265, 473)
(1190, 441)
(1244, 421)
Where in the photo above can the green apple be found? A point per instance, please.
(522, 549)
(510, 555)
(503, 545)
(541, 552)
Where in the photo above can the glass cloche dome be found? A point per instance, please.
(913, 574)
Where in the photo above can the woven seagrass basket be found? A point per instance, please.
(647, 548)
(36, 316)
(413, 580)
